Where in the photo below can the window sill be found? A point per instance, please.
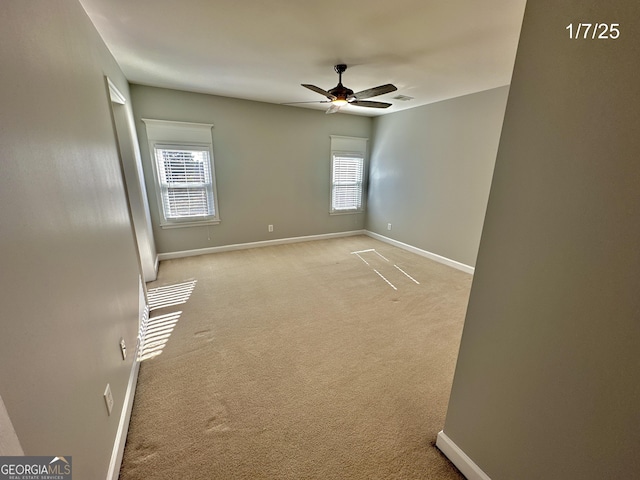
(346, 212)
(201, 223)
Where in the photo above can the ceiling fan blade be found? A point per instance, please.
(320, 91)
(296, 103)
(367, 103)
(333, 109)
(375, 91)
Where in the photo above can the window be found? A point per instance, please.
(185, 182)
(347, 174)
(347, 171)
(182, 156)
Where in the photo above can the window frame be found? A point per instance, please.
(163, 188)
(347, 154)
(186, 136)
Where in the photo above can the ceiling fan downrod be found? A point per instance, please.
(340, 69)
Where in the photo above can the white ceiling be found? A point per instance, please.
(264, 49)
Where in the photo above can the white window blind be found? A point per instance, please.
(185, 182)
(347, 178)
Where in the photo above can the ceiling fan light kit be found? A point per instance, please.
(340, 95)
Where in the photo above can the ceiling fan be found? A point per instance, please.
(340, 95)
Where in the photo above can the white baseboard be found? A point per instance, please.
(123, 426)
(424, 253)
(265, 243)
(460, 459)
(281, 241)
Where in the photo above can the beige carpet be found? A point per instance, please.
(299, 361)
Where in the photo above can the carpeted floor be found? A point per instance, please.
(298, 361)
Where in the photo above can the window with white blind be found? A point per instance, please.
(347, 174)
(186, 185)
(182, 155)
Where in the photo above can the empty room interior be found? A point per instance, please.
(349, 240)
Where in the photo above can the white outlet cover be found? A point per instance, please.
(123, 348)
(108, 399)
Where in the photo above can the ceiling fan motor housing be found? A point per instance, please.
(341, 92)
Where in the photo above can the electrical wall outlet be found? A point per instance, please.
(270, 228)
(388, 226)
(108, 399)
(123, 349)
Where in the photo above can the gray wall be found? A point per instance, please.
(546, 384)
(68, 265)
(272, 166)
(431, 170)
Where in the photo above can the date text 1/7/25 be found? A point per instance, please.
(594, 31)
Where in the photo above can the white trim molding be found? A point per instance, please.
(114, 94)
(265, 243)
(460, 459)
(423, 253)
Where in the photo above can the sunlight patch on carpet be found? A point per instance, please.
(380, 265)
(158, 331)
(170, 295)
(407, 275)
